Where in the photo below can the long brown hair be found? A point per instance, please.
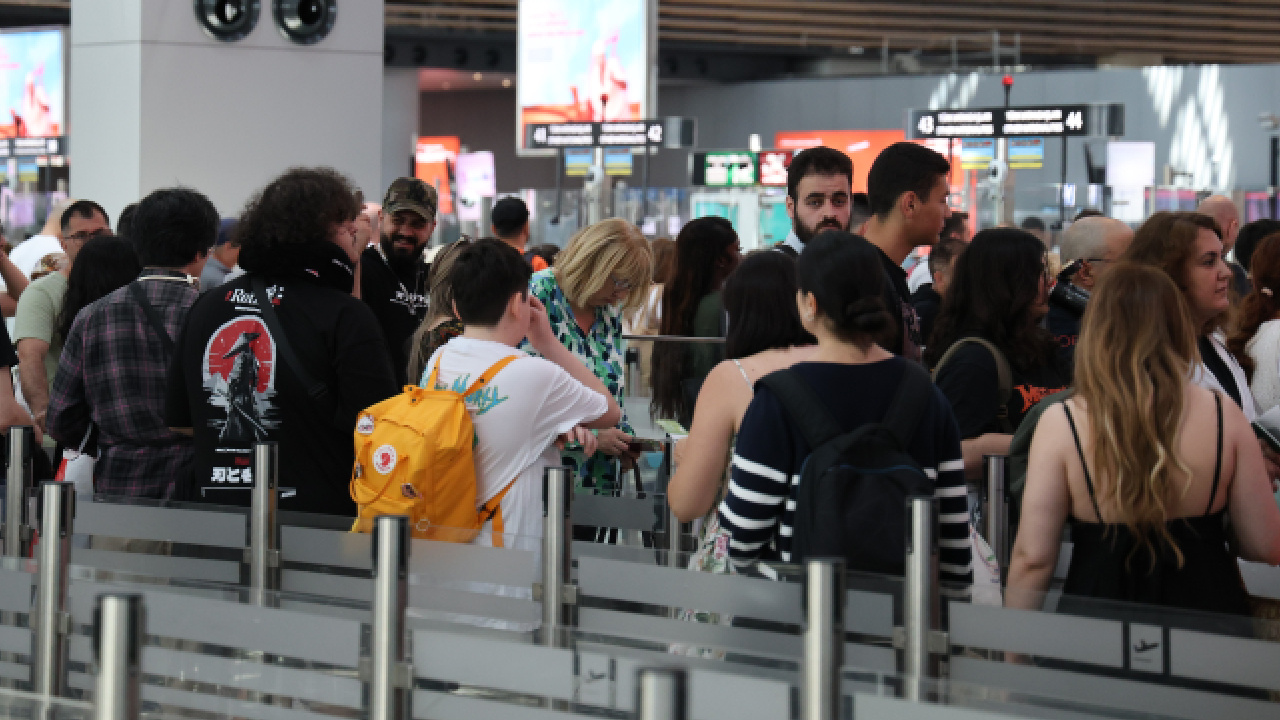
(1260, 305)
(439, 308)
(1167, 240)
(1137, 347)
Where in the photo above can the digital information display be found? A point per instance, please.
(583, 61)
(1047, 121)
(740, 168)
(594, 134)
(32, 85)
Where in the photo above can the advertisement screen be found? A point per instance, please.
(862, 146)
(430, 167)
(32, 85)
(582, 61)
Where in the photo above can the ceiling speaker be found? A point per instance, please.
(305, 21)
(227, 20)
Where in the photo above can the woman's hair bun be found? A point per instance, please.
(865, 316)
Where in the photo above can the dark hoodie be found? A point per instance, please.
(229, 384)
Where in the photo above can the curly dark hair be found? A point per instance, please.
(296, 209)
(992, 294)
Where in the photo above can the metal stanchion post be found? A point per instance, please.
(554, 592)
(118, 630)
(662, 694)
(264, 523)
(674, 527)
(52, 624)
(824, 600)
(17, 529)
(997, 519)
(918, 596)
(389, 675)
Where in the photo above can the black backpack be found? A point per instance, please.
(852, 497)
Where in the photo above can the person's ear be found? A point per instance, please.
(791, 207)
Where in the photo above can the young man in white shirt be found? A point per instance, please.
(532, 404)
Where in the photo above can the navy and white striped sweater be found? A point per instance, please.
(760, 504)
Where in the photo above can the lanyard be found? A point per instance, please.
(409, 298)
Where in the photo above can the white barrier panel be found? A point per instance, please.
(873, 707)
(1235, 661)
(1064, 637)
(142, 522)
(490, 663)
(627, 513)
(1138, 698)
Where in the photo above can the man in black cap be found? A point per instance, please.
(393, 273)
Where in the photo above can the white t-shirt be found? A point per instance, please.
(516, 417)
(920, 275)
(29, 251)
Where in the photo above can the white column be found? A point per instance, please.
(154, 102)
(401, 107)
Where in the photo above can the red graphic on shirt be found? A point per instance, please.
(246, 335)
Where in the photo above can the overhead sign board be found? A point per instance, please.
(1026, 153)
(1045, 121)
(729, 169)
(594, 134)
(32, 146)
(977, 153)
(773, 166)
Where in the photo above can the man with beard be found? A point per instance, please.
(819, 195)
(393, 273)
(907, 186)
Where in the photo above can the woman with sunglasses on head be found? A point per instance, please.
(605, 269)
(707, 251)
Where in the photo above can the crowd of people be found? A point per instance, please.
(158, 355)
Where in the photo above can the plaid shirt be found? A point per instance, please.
(112, 373)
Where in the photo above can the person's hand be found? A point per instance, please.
(539, 332)
(677, 451)
(14, 414)
(613, 441)
(580, 435)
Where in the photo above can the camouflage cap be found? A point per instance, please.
(411, 194)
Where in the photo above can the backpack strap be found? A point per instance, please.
(153, 316)
(1004, 375)
(804, 407)
(487, 376)
(315, 389)
(492, 510)
(908, 404)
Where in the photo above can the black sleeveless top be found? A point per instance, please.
(1208, 581)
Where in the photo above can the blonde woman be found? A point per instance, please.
(605, 270)
(1146, 496)
(440, 326)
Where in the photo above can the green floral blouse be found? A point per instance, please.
(603, 351)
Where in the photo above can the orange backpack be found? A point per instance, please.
(414, 457)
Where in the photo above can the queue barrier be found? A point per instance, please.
(624, 623)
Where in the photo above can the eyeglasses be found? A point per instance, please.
(85, 235)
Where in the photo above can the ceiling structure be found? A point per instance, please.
(725, 40)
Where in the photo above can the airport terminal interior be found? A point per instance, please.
(652, 359)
